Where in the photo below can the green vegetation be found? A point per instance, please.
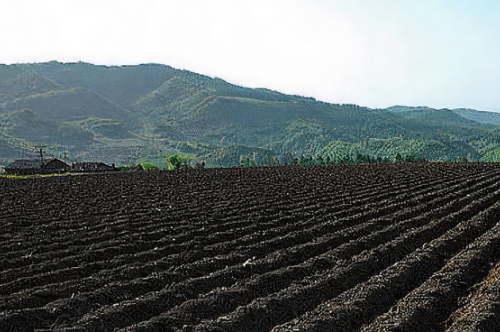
(21, 177)
(175, 161)
(150, 113)
(148, 166)
(125, 167)
(491, 155)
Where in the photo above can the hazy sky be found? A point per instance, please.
(375, 53)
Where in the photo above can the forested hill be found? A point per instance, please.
(136, 113)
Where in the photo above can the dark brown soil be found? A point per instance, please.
(402, 247)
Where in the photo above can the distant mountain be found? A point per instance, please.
(138, 113)
(479, 116)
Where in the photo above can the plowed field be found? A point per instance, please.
(399, 247)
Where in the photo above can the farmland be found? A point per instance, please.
(361, 247)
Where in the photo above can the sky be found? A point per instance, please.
(374, 53)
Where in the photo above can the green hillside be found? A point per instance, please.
(121, 85)
(64, 105)
(479, 116)
(143, 113)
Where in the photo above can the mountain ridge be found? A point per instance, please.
(167, 110)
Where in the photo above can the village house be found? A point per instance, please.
(91, 167)
(37, 166)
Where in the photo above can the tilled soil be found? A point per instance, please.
(400, 247)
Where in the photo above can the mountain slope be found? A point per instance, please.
(18, 82)
(67, 105)
(479, 116)
(119, 85)
(143, 112)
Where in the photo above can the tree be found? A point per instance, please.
(399, 158)
(245, 161)
(175, 161)
(410, 158)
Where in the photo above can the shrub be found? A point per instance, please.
(175, 161)
(148, 166)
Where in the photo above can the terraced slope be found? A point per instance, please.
(384, 247)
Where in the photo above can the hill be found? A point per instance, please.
(479, 116)
(67, 105)
(146, 111)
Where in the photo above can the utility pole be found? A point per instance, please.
(41, 152)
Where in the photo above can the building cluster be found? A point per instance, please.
(56, 166)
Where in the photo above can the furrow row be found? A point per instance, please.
(427, 307)
(265, 282)
(109, 232)
(127, 312)
(361, 304)
(102, 257)
(480, 311)
(264, 313)
(106, 290)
